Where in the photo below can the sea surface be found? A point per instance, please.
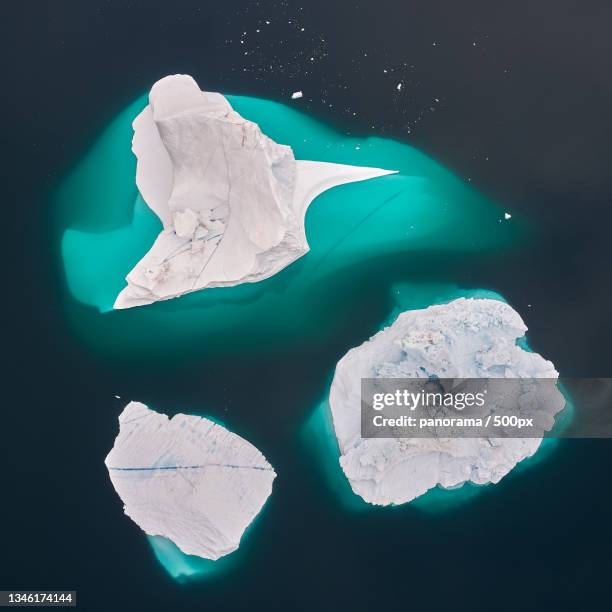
(504, 107)
(260, 358)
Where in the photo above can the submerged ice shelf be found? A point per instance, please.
(231, 201)
(466, 338)
(362, 237)
(188, 479)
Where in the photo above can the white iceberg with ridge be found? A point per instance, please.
(466, 338)
(188, 479)
(232, 201)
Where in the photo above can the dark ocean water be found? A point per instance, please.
(533, 140)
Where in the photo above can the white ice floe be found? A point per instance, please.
(296, 95)
(507, 216)
(232, 201)
(188, 479)
(466, 338)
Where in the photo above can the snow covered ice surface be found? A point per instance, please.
(466, 338)
(232, 201)
(188, 479)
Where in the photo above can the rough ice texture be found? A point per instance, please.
(466, 338)
(232, 201)
(188, 479)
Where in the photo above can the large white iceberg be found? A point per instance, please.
(232, 201)
(466, 338)
(188, 479)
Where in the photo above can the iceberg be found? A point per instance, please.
(231, 201)
(188, 479)
(465, 338)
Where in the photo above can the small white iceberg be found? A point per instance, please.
(188, 479)
(466, 338)
(296, 95)
(232, 201)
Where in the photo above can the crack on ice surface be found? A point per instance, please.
(189, 467)
(205, 513)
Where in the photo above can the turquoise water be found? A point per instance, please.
(185, 568)
(377, 247)
(104, 228)
(188, 568)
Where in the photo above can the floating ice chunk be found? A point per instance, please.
(185, 223)
(507, 216)
(197, 157)
(187, 479)
(467, 338)
(296, 95)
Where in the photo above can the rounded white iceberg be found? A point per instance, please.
(188, 479)
(466, 338)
